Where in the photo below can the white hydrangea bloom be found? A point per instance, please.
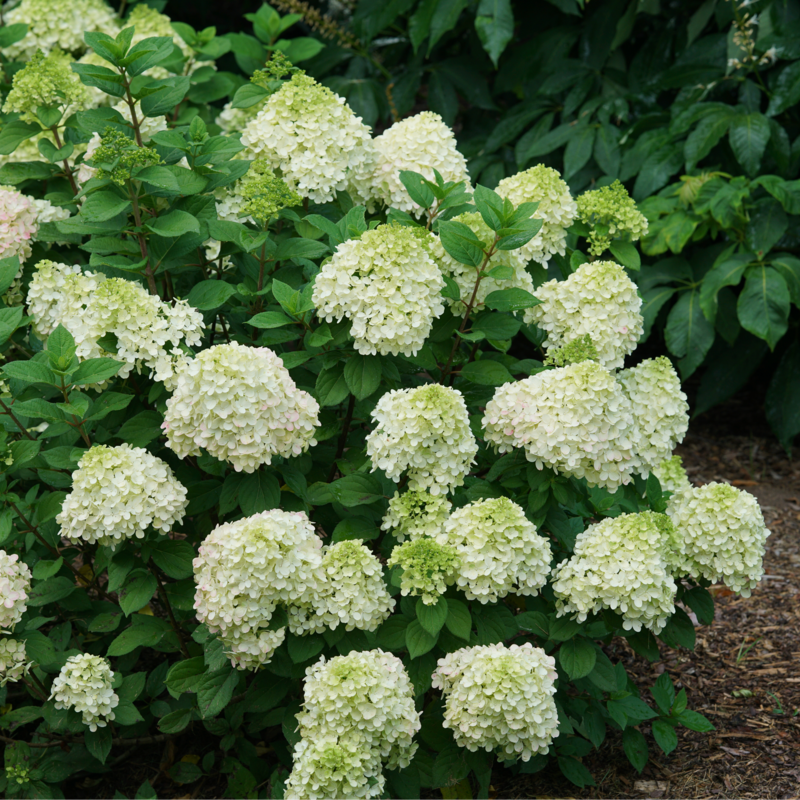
(424, 432)
(672, 476)
(311, 137)
(660, 410)
(721, 535)
(500, 698)
(18, 223)
(620, 563)
(557, 209)
(245, 570)
(465, 276)
(422, 143)
(415, 514)
(118, 493)
(386, 283)
(327, 766)
(46, 212)
(352, 592)
(233, 120)
(598, 300)
(499, 550)
(241, 405)
(13, 661)
(574, 419)
(368, 693)
(428, 568)
(15, 582)
(85, 684)
(58, 24)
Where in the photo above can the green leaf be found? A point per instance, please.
(783, 397)
(31, 372)
(578, 150)
(14, 133)
(266, 691)
(355, 529)
(108, 402)
(767, 225)
(763, 305)
(443, 18)
(789, 269)
(418, 188)
(141, 429)
(495, 26)
(392, 634)
(303, 648)
(139, 587)
(664, 692)
(98, 743)
(418, 640)
(513, 299)
(175, 721)
(46, 569)
(187, 675)
(210, 294)
(679, 631)
(269, 319)
(578, 657)
(635, 746)
(331, 388)
(104, 205)
(689, 335)
(215, 692)
(459, 620)
(249, 95)
(665, 736)
(95, 370)
(748, 136)
(486, 373)
(626, 254)
(461, 243)
(575, 772)
(106, 623)
(705, 136)
(702, 603)
(432, 617)
(259, 491)
(786, 91)
(695, 722)
(451, 766)
(169, 92)
(175, 223)
(50, 591)
(563, 628)
(18, 717)
(728, 272)
(362, 375)
(356, 489)
(173, 558)
(10, 320)
(11, 34)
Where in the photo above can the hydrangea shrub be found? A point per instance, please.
(306, 441)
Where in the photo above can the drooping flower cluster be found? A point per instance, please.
(465, 276)
(576, 420)
(46, 80)
(611, 213)
(85, 684)
(58, 24)
(424, 432)
(499, 550)
(149, 333)
(245, 570)
(311, 136)
(422, 143)
(557, 209)
(358, 712)
(13, 661)
(672, 476)
(500, 698)
(659, 408)
(18, 223)
(620, 563)
(721, 535)
(429, 567)
(598, 300)
(415, 514)
(387, 285)
(241, 405)
(118, 493)
(15, 581)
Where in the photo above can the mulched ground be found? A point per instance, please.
(743, 674)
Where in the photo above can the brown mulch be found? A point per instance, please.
(744, 674)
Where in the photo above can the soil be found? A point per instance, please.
(743, 674)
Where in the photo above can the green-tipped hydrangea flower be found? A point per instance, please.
(415, 514)
(428, 568)
(612, 214)
(574, 352)
(46, 81)
(264, 194)
(672, 475)
(118, 155)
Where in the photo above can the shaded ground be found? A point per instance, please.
(744, 674)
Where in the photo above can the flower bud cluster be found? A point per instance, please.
(429, 567)
(612, 214)
(422, 143)
(424, 432)
(557, 209)
(721, 535)
(85, 684)
(358, 713)
(117, 494)
(386, 283)
(500, 699)
(672, 476)
(245, 570)
(312, 136)
(622, 564)
(414, 514)
(498, 548)
(598, 300)
(241, 405)
(465, 275)
(15, 582)
(13, 661)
